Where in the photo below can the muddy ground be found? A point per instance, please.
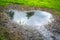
(55, 27)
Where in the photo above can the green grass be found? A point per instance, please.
(53, 4)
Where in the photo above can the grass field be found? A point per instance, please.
(53, 4)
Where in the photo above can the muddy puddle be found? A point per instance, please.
(36, 20)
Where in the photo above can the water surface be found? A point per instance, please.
(38, 18)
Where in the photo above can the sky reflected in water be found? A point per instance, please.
(39, 18)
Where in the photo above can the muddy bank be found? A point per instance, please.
(23, 7)
(15, 32)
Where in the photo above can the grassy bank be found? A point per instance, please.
(53, 4)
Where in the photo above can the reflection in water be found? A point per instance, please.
(11, 14)
(29, 14)
(36, 19)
